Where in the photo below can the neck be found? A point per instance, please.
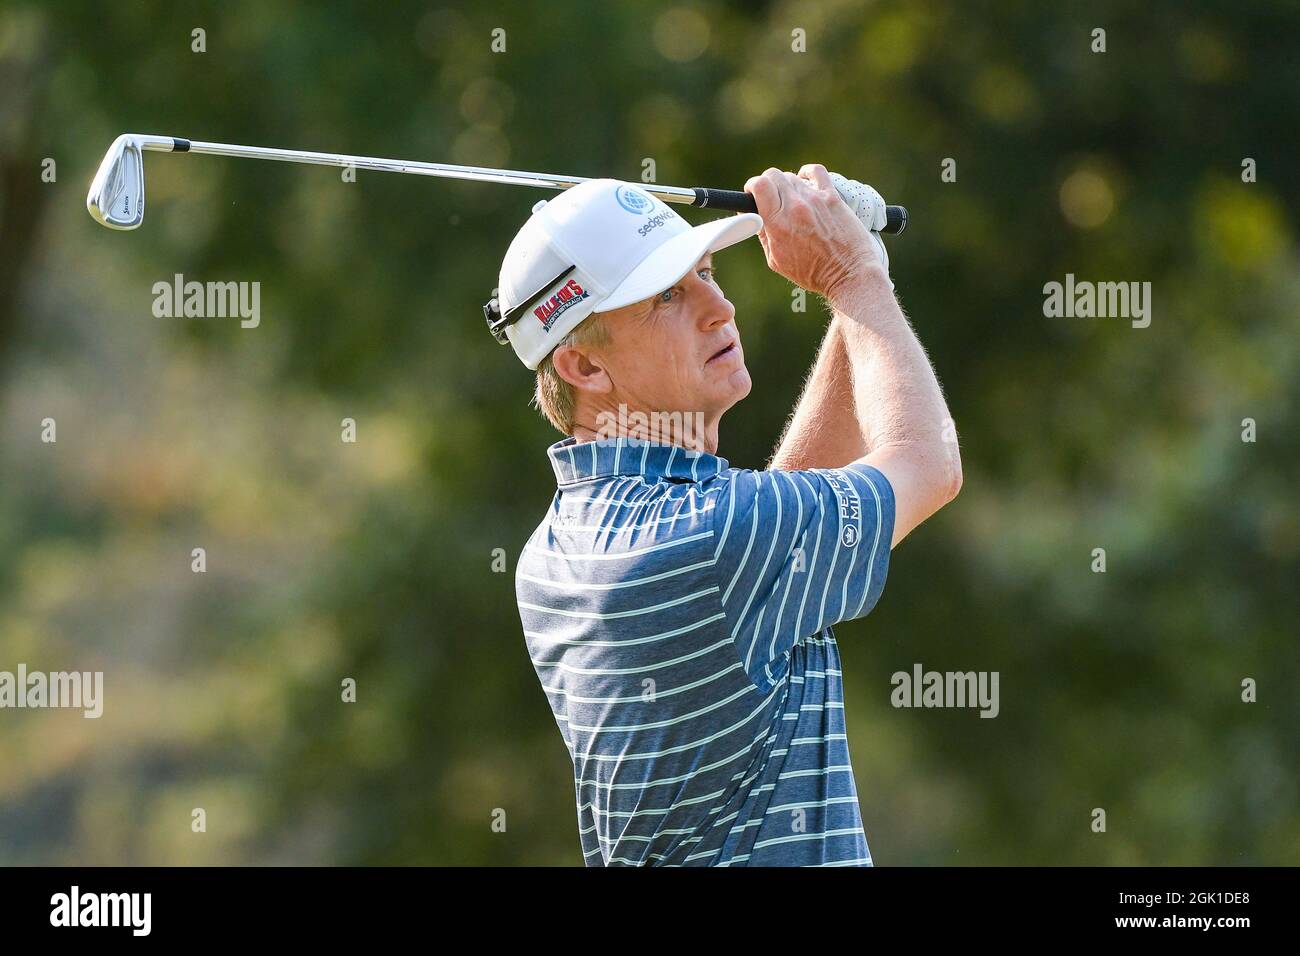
(694, 431)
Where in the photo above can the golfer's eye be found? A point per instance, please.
(667, 295)
(708, 274)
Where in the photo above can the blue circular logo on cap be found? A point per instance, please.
(633, 200)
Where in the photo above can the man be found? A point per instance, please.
(678, 610)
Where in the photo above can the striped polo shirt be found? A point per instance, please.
(678, 614)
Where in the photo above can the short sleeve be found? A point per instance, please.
(798, 551)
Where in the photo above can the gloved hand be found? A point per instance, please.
(869, 207)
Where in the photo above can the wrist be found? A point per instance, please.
(870, 277)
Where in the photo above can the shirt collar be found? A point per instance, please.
(576, 461)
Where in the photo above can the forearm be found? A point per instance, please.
(900, 408)
(823, 431)
(883, 395)
(896, 395)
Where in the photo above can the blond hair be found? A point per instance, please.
(554, 397)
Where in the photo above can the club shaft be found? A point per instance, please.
(724, 199)
(512, 177)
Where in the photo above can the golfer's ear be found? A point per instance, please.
(581, 369)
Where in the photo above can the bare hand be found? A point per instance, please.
(809, 235)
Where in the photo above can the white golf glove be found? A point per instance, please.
(869, 207)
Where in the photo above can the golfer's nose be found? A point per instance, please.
(715, 308)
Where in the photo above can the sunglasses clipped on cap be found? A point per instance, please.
(497, 323)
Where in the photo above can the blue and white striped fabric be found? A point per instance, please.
(678, 613)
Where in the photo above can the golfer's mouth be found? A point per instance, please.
(726, 350)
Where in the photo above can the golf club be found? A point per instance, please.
(116, 197)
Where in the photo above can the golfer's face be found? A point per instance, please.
(679, 351)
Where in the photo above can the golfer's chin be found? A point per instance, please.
(732, 387)
(742, 382)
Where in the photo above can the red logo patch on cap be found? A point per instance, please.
(564, 298)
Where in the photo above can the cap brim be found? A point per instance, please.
(666, 265)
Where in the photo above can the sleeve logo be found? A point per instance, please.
(850, 508)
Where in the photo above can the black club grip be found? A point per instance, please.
(739, 201)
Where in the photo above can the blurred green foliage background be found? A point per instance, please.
(373, 561)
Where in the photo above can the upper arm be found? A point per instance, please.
(797, 551)
(923, 482)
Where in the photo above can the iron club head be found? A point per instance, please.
(116, 197)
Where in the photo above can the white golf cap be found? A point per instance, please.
(598, 246)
